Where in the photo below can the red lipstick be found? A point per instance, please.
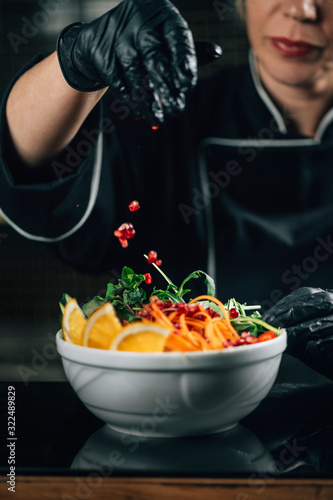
(292, 48)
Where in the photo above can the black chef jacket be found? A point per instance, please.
(223, 188)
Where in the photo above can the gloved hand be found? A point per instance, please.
(307, 315)
(142, 49)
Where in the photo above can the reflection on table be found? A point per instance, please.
(235, 450)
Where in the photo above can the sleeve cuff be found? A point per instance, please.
(52, 211)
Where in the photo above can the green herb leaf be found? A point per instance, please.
(131, 297)
(92, 305)
(196, 274)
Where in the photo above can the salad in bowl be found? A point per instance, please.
(160, 366)
(127, 320)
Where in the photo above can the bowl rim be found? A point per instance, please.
(245, 354)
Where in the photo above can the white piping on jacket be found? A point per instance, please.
(323, 124)
(264, 96)
(92, 199)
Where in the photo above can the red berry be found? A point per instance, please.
(148, 279)
(233, 313)
(134, 205)
(152, 257)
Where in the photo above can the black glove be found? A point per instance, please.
(307, 315)
(142, 49)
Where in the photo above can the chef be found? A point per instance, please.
(233, 174)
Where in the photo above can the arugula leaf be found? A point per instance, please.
(176, 294)
(169, 294)
(196, 274)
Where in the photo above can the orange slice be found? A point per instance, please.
(102, 327)
(73, 322)
(141, 337)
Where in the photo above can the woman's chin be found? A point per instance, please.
(293, 75)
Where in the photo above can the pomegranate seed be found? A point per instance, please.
(194, 309)
(152, 257)
(154, 127)
(233, 313)
(168, 304)
(158, 262)
(124, 233)
(134, 205)
(182, 308)
(157, 301)
(123, 242)
(148, 279)
(251, 340)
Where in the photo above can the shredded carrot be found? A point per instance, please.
(217, 301)
(196, 331)
(160, 316)
(178, 343)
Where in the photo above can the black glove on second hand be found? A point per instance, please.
(307, 315)
(139, 45)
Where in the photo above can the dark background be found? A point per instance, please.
(32, 279)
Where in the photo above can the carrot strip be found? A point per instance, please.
(192, 335)
(177, 343)
(173, 315)
(219, 303)
(197, 332)
(219, 334)
(158, 314)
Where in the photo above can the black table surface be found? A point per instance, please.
(289, 434)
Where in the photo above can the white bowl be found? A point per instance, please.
(172, 394)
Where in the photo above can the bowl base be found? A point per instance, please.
(169, 433)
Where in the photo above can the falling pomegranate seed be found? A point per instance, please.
(233, 313)
(148, 279)
(152, 257)
(123, 242)
(158, 262)
(124, 233)
(154, 127)
(134, 205)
